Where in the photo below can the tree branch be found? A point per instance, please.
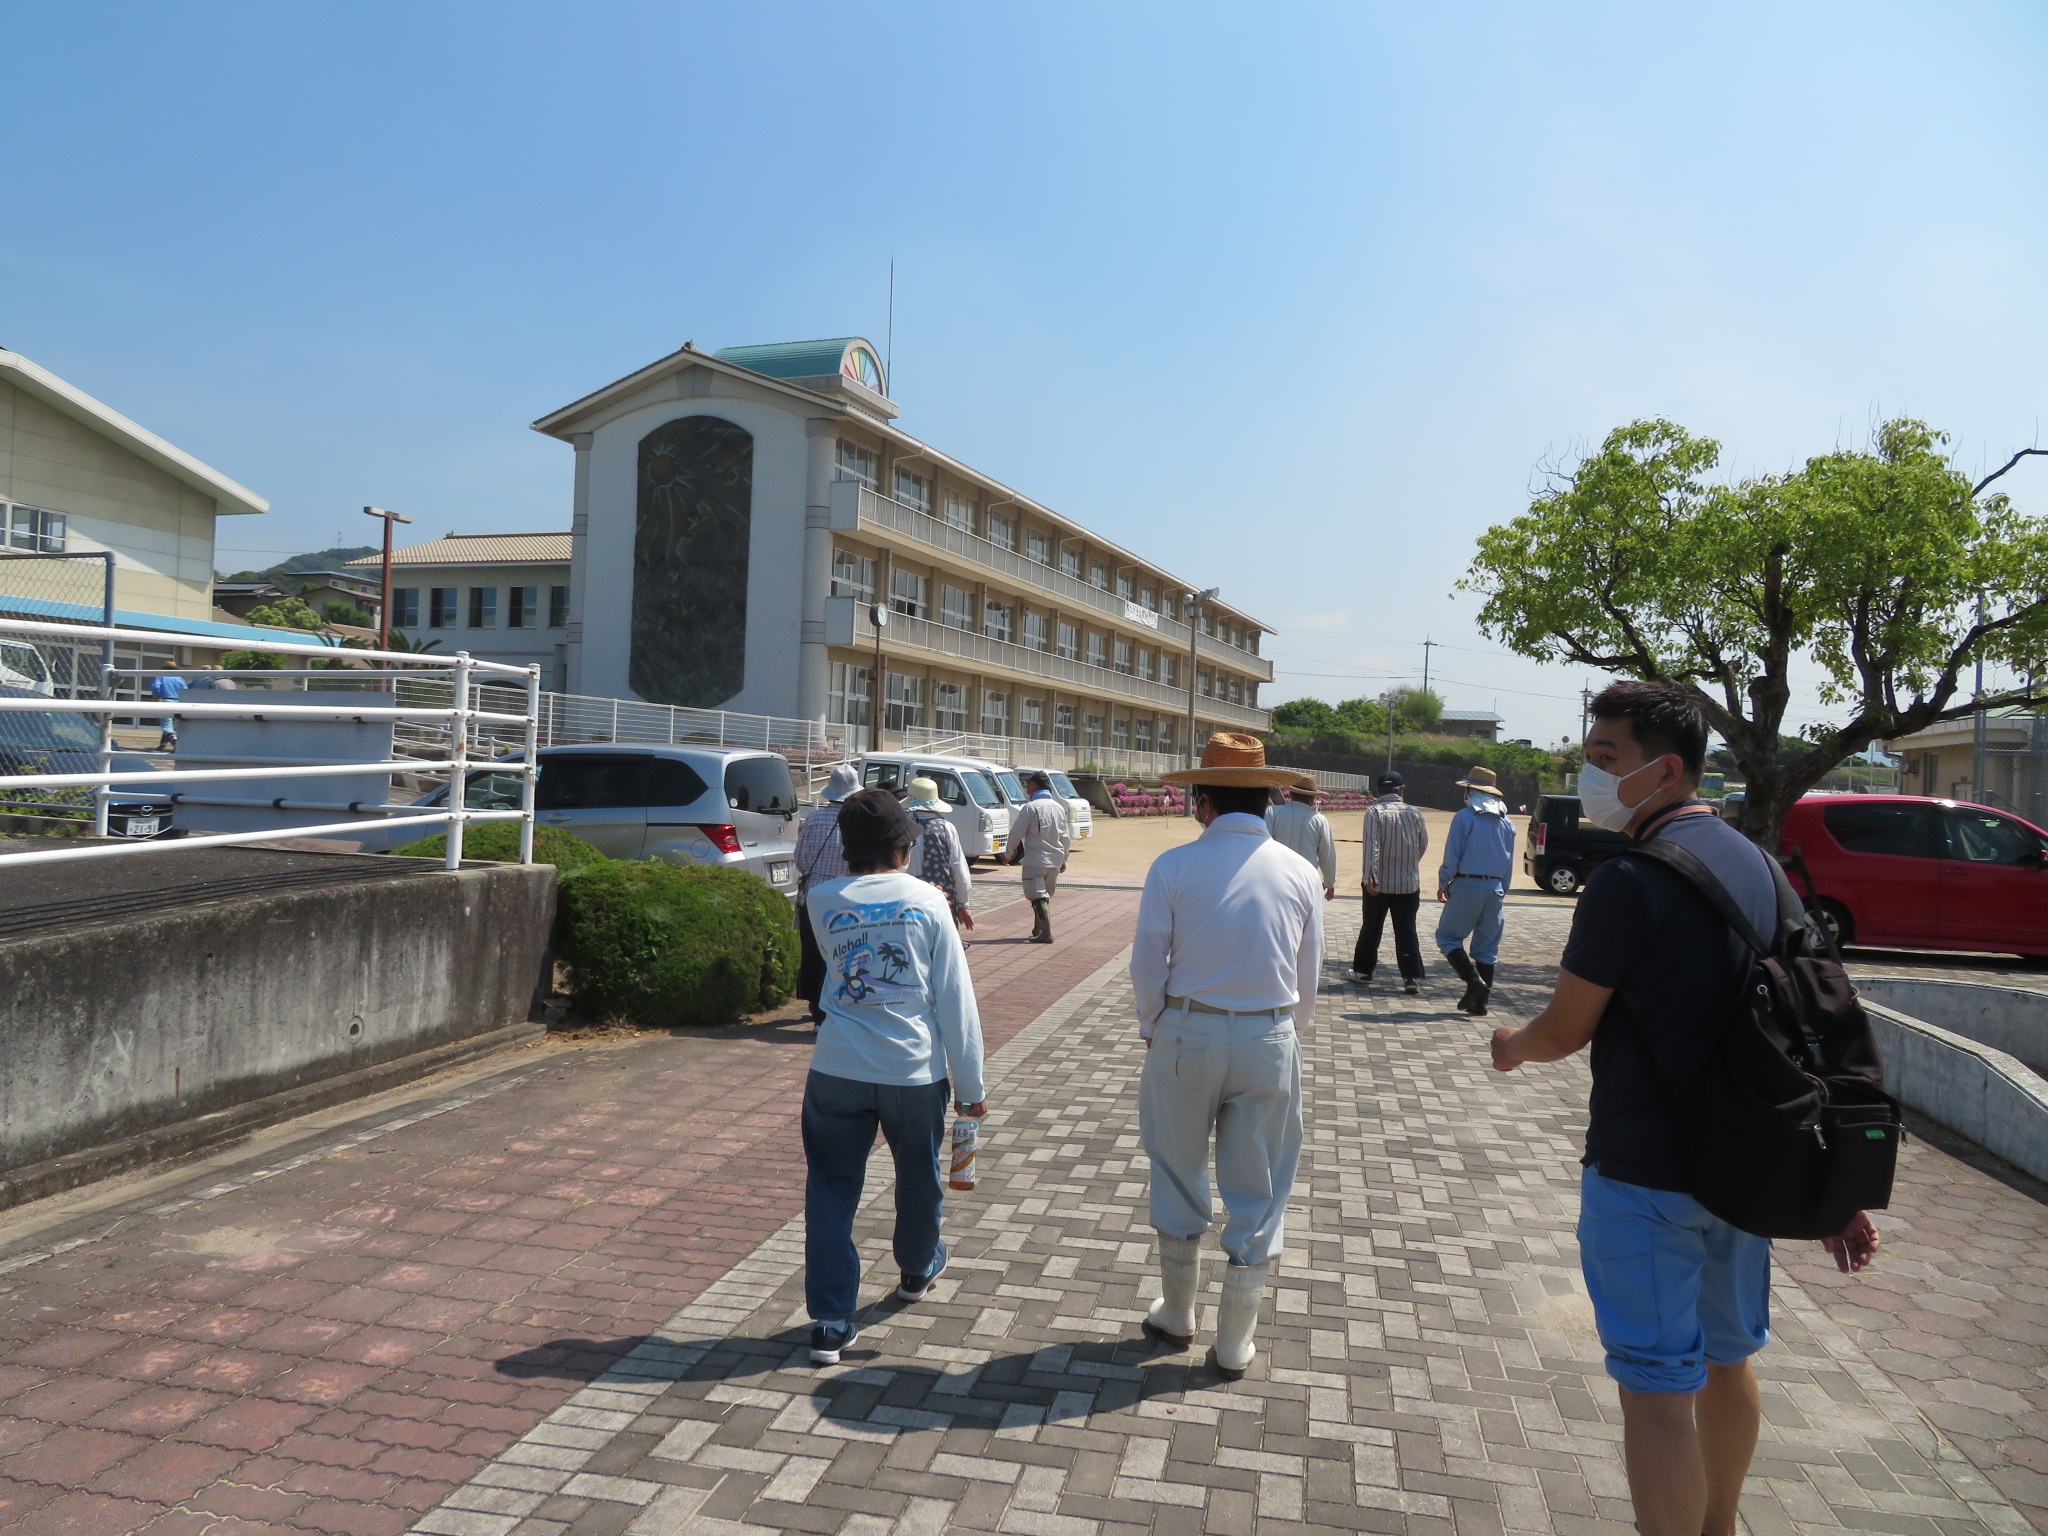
(1978, 488)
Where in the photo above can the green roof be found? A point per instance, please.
(795, 359)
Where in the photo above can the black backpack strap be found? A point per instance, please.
(1688, 866)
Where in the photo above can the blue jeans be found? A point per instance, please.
(1473, 912)
(1675, 1289)
(841, 1116)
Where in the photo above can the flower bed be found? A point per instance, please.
(1141, 799)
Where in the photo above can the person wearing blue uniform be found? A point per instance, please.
(168, 689)
(1479, 860)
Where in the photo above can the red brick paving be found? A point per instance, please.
(321, 1351)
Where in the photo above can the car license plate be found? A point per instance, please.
(778, 872)
(141, 826)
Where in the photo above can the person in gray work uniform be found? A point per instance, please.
(1479, 860)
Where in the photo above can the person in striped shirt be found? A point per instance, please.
(1396, 837)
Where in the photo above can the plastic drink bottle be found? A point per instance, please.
(966, 1135)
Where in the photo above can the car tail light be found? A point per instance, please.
(1542, 835)
(726, 839)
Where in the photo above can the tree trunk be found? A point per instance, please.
(1766, 799)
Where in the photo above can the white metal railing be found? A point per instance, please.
(445, 732)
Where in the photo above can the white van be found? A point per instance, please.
(1080, 814)
(977, 798)
(22, 666)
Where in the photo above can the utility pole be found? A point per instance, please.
(1194, 603)
(1978, 793)
(1427, 646)
(384, 607)
(878, 615)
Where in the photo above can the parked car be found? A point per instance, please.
(1080, 814)
(1562, 847)
(22, 666)
(1922, 873)
(722, 806)
(976, 800)
(68, 743)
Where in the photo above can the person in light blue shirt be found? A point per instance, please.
(901, 1036)
(169, 688)
(1479, 860)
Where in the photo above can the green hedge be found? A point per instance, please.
(500, 840)
(664, 944)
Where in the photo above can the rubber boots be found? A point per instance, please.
(1041, 921)
(1474, 1000)
(1172, 1318)
(1238, 1318)
(1485, 969)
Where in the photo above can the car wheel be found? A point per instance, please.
(1831, 921)
(1562, 880)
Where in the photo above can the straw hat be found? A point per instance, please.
(1480, 778)
(926, 792)
(1232, 759)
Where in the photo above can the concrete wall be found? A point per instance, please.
(1984, 1094)
(2009, 1019)
(160, 529)
(119, 1028)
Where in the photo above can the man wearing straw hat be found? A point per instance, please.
(1479, 860)
(1227, 957)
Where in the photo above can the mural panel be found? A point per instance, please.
(690, 556)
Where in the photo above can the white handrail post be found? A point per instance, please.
(103, 793)
(526, 789)
(458, 776)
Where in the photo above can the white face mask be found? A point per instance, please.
(1600, 797)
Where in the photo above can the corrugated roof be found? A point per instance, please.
(791, 359)
(477, 549)
(1468, 714)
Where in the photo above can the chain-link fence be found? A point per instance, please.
(63, 588)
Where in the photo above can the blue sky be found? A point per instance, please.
(1297, 299)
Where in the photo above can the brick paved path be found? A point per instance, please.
(1430, 1364)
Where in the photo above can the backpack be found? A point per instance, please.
(1789, 1132)
(935, 866)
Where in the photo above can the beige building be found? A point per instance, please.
(739, 516)
(499, 596)
(1941, 761)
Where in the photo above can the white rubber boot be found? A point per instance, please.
(1172, 1318)
(1238, 1317)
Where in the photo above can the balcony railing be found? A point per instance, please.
(907, 633)
(875, 511)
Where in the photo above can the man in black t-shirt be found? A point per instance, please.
(1681, 1298)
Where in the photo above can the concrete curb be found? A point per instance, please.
(204, 1132)
(1974, 1090)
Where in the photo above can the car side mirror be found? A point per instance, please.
(2034, 860)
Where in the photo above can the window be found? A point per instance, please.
(1031, 719)
(949, 706)
(523, 611)
(1983, 838)
(995, 713)
(760, 784)
(1236, 690)
(405, 607)
(914, 491)
(1098, 575)
(1148, 664)
(576, 782)
(960, 510)
(1098, 649)
(1123, 657)
(1166, 735)
(1002, 531)
(483, 607)
(1120, 734)
(36, 529)
(982, 788)
(996, 620)
(494, 792)
(1149, 596)
(1069, 644)
(1038, 546)
(558, 607)
(1091, 731)
(441, 607)
(1143, 738)
(1063, 724)
(947, 785)
(905, 708)
(853, 575)
(910, 593)
(1070, 561)
(1169, 669)
(851, 694)
(858, 463)
(1123, 586)
(1205, 682)
(1034, 630)
(1251, 641)
(956, 607)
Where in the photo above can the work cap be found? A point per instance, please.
(1391, 780)
(872, 826)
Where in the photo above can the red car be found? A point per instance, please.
(1908, 871)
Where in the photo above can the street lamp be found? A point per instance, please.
(1195, 600)
(878, 615)
(384, 607)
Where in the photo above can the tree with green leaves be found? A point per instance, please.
(1886, 570)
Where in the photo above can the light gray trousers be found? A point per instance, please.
(1240, 1080)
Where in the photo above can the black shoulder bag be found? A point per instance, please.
(1789, 1130)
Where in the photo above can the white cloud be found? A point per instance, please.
(1321, 623)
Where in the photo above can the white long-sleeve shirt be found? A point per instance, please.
(1306, 830)
(1233, 920)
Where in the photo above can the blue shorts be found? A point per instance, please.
(1675, 1289)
